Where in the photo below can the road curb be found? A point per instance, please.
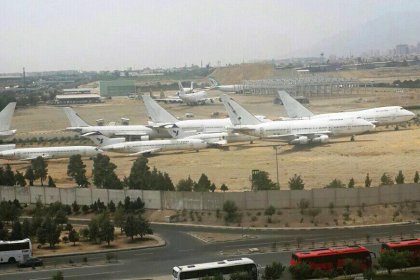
(281, 228)
(161, 243)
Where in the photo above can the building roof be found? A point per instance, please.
(77, 96)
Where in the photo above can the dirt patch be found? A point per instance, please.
(84, 246)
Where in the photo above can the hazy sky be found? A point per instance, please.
(106, 35)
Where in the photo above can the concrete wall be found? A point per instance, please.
(212, 201)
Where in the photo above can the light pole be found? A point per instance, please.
(275, 147)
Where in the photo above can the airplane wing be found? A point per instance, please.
(130, 133)
(169, 100)
(44, 156)
(149, 151)
(289, 137)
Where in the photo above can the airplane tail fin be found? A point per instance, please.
(237, 114)
(100, 140)
(74, 119)
(293, 108)
(214, 82)
(6, 116)
(181, 89)
(175, 131)
(156, 113)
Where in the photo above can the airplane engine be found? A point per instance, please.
(144, 138)
(321, 139)
(302, 140)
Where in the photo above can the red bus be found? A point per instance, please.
(336, 259)
(410, 245)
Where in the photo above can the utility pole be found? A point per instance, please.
(275, 147)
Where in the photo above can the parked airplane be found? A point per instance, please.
(6, 119)
(190, 98)
(136, 148)
(141, 131)
(49, 152)
(378, 116)
(226, 88)
(294, 132)
(160, 117)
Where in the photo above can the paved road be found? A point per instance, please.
(184, 249)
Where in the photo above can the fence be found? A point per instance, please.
(340, 197)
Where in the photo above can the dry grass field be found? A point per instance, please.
(383, 151)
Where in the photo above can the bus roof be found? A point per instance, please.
(15, 241)
(403, 243)
(331, 251)
(223, 263)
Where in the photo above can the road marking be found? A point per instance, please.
(142, 254)
(188, 250)
(79, 275)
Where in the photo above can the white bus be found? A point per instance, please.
(212, 269)
(15, 251)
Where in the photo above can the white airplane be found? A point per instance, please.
(190, 98)
(49, 152)
(6, 119)
(378, 116)
(226, 88)
(136, 148)
(142, 131)
(160, 117)
(295, 132)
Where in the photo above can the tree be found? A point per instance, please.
(74, 236)
(76, 169)
(111, 206)
(269, 212)
(104, 173)
(48, 232)
(300, 271)
(29, 174)
(3, 232)
(39, 166)
(9, 176)
(94, 230)
(224, 188)
(296, 183)
(26, 228)
(416, 177)
(368, 181)
(16, 233)
(58, 275)
(139, 177)
(20, 179)
(391, 259)
(136, 225)
(75, 207)
(303, 204)
(119, 217)
(203, 184)
(262, 182)
(231, 211)
(212, 187)
(351, 183)
(9, 212)
(51, 182)
(386, 180)
(336, 183)
(273, 271)
(185, 185)
(106, 229)
(399, 179)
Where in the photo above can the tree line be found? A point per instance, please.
(143, 177)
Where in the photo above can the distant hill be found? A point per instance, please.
(246, 71)
(381, 33)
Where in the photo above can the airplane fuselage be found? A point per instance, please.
(378, 116)
(295, 128)
(156, 146)
(49, 152)
(123, 130)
